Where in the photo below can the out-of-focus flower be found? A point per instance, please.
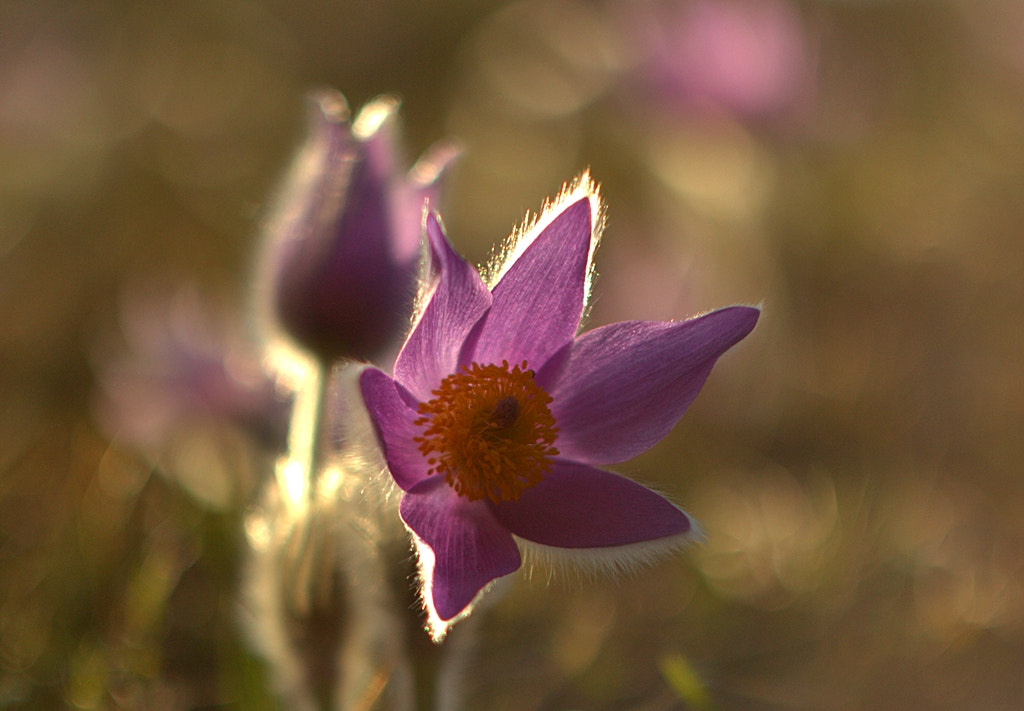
(499, 414)
(182, 367)
(185, 380)
(343, 240)
(749, 57)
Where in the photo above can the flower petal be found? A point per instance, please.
(378, 127)
(622, 387)
(458, 301)
(578, 506)
(393, 420)
(539, 301)
(426, 178)
(470, 548)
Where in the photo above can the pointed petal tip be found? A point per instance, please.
(436, 625)
(744, 313)
(434, 226)
(374, 115)
(620, 388)
(442, 616)
(741, 320)
(462, 550)
(726, 326)
(570, 198)
(626, 559)
(329, 105)
(581, 507)
(441, 253)
(583, 187)
(579, 188)
(434, 164)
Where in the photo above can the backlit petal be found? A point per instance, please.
(578, 506)
(458, 300)
(393, 420)
(470, 548)
(539, 301)
(622, 387)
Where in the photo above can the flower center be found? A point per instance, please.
(489, 431)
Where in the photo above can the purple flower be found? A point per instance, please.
(344, 237)
(186, 366)
(746, 56)
(499, 415)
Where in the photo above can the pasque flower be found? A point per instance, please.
(186, 389)
(343, 240)
(499, 415)
(185, 365)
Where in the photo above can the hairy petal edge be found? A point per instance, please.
(539, 300)
(469, 547)
(457, 302)
(393, 421)
(578, 506)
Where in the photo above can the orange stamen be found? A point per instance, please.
(489, 431)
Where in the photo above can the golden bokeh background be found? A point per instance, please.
(856, 464)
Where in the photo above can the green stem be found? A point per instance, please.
(296, 473)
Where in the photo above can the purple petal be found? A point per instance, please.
(459, 299)
(393, 422)
(426, 179)
(622, 387)
(539, 301)
(577, 506)
(470, 547)
(382, 148)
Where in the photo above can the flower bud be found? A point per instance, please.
(343, 241)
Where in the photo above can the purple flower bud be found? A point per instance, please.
(343, 241)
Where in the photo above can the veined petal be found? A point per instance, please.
(578, 506)
(458, 301)
(539, 301)
(393, 420)
(470, 548)
(622, 387)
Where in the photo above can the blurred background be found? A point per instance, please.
(855, 167)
